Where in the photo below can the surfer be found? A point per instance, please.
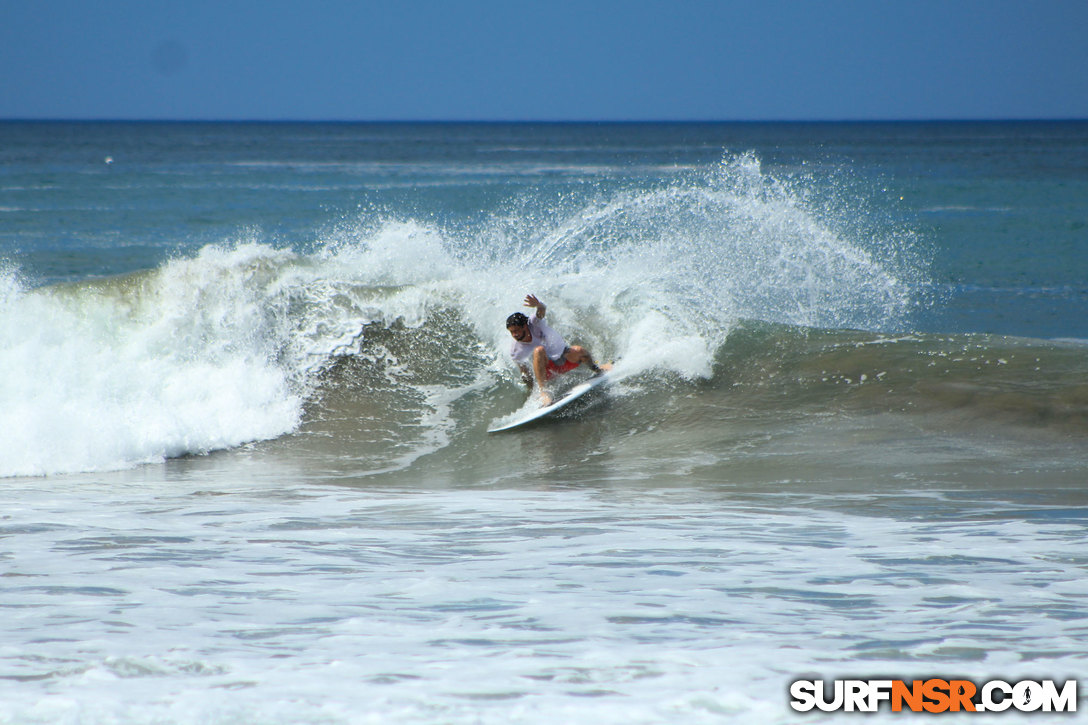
(541, 352)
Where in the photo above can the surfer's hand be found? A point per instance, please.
(532, 301)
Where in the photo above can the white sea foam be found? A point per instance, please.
(108, 375)
(272, 603)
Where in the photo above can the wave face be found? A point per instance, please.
(400, 318)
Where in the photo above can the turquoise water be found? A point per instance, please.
(246, 372)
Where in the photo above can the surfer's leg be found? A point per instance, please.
(540, 369)
(579, 355)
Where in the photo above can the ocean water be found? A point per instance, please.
(246, 372)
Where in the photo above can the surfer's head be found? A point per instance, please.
(517, 324)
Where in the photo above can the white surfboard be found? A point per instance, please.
(566, 399)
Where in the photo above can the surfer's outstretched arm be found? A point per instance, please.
(532, 301)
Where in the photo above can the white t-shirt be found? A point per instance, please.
(543, 334)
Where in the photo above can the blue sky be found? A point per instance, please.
(544, 60)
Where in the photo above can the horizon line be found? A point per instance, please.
(545, 121)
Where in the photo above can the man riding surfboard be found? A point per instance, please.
(541, 352)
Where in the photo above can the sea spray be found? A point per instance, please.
(663, 273)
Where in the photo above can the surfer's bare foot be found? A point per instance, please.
(545, 399)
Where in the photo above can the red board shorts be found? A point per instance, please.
(563, 366)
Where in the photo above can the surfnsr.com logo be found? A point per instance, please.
(933, 695)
